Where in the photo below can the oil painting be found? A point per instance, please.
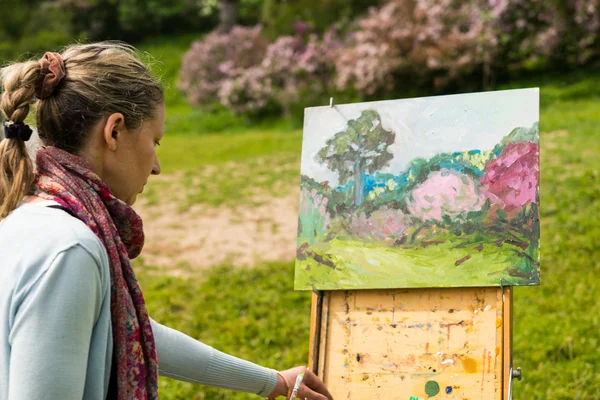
(438, 191)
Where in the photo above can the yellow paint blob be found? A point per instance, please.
(497, 351)
(469, 364)
(498, 322)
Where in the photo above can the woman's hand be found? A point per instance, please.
(311, 388)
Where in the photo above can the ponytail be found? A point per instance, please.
(16, 169)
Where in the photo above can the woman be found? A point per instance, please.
(73, 322)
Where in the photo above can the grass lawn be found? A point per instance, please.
(255, 313)
(234, 169)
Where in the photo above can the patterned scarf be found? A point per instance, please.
(69, 180)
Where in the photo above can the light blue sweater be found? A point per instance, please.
(55, 326)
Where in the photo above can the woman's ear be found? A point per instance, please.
(114, 129)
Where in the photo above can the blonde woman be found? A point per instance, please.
(73, 322)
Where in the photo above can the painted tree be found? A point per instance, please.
(361, 147)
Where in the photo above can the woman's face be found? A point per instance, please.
(131, 156)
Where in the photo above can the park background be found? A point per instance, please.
(221, 219)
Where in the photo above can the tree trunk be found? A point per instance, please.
(228, 14)
(358, 184)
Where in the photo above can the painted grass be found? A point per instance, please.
(363, 265)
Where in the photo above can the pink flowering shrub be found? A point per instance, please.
(528, 29)
(445, 40)
(313, 217)
(218, 59)
(381, 224)
(445, 193)
(421, 42)
(511, 179)
(448, 38)
(246, 74)
(247, 91)
(568, 32)
(292, 67)
(587, 26)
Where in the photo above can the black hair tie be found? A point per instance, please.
(13, 130)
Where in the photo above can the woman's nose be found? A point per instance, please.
(156, 167)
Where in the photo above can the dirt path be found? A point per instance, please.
(203, 237)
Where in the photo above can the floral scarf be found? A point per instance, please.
(69, 180)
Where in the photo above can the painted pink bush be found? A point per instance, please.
(380, 224)
(445, 193)
(511, 179)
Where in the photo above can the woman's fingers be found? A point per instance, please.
(314, 387)
(307, 394)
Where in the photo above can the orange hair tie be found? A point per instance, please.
(52, 71)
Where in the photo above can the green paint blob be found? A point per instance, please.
(432, 388)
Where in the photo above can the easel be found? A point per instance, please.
(414, 343)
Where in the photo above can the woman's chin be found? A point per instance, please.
(131, 200)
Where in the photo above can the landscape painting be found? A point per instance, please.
(427, 192)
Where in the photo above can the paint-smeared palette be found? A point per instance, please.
(426, 192)
(413, 344)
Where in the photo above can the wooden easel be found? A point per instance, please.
(413, 344)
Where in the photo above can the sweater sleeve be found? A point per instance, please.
(183, 358)
(51, 331)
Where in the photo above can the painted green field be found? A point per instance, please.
(256, 314)
(432, 266)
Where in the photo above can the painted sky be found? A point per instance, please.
(424, 126)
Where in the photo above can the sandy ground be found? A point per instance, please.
(203, 237)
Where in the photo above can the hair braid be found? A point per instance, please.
(16, 168)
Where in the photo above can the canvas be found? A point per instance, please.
(426, 192)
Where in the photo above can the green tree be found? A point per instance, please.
(361, 147)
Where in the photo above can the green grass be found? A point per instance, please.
(178, 152)
(557, 324)
(226, 170)
(256, 315)
(253, 314)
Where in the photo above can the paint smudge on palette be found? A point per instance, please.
(427, 192)
(432, 388)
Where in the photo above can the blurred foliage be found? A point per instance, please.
(134, 20)
(32, 27)
(280, 17)
(36, 25)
